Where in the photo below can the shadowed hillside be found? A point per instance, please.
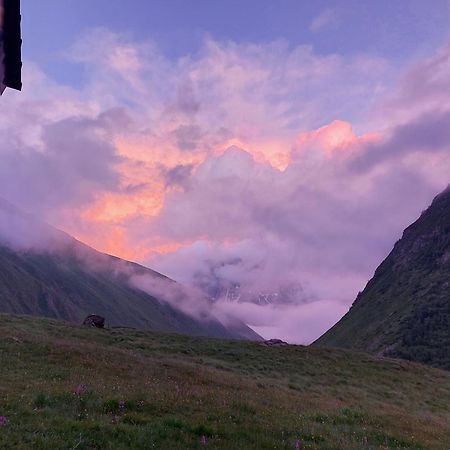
(46, 272)
(404, 311)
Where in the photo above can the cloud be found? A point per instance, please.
(326, 19)
(185, 298)
(421, 89)
(265, 230)
(426, 134)
(295, 324)
(19, 231)
(257, 97)
(73, 162)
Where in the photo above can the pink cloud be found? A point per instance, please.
(338, 136)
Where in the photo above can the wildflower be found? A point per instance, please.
(79, 389)
(203, 440)
(298, 444)
(3, 421)
(122, 405)
(115, 419)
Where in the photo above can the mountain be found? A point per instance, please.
(45, 272)
(404, 311)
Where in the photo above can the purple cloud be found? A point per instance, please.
(74, 161)
(428, 133)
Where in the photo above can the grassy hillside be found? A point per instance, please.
(46, 272)
(68, 387)
(59, 285)
(404, 311)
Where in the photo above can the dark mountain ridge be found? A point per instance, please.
(404, 311)
(45, 272)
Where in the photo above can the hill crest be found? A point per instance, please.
(46, 272)
(404, 310)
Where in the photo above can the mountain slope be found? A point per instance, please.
(404, 311)
(48, 273)
(127, 389)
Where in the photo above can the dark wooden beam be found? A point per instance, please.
(11, 41)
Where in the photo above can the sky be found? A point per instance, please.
(268, 153)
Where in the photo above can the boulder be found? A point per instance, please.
(94, 320)
(275, 343)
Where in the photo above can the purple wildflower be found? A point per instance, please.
(203, 440)
(3, 421)
(122, 405)
(79, 389)
(298, 444)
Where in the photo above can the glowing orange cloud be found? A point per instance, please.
(338, 136)
(144, 189)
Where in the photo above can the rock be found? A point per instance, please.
(275, 343)
(94, 321)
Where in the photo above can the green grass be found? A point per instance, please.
(149, 390)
